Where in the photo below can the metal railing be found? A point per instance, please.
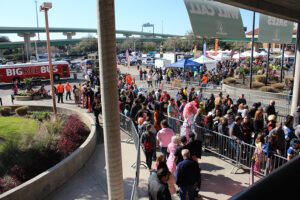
(128, 127)
(238, 152)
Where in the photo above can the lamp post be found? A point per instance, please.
(45, 7)
(37, 25)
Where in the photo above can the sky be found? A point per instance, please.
(168, 16)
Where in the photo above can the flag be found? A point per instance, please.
(127, 58)
(195, 51)
(204, 49)
(216, 46)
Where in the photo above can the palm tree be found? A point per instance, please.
(109, 95)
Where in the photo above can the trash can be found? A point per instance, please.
(75, 76)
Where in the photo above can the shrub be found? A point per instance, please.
(257, 85)
(9, 154)
(22, 111)
(54, 127)
(18, 172)
(288, 80)
(5, 111)
(278, 86)
(268, 89)
(73, 135)
(41, 116)
(7, 183)
(260, 78)
(230, 80)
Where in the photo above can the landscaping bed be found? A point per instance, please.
(32, 142)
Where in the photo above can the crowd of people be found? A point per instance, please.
(156, 115)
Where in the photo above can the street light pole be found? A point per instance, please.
(37, 25)
(45, 7)
(37, 19)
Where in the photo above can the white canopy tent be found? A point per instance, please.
(247, 54)
(236, 56)
(222, 56)
(209, 62)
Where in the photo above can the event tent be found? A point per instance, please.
(209, 62)
(222, 56)
(186, 64)
(247, 54)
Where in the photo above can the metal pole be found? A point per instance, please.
(296, 88)
(295, 58)
(109, 95)
(252, 49)
(282, 62)
(50, 62)
(153, 30)
(37, 20)
(268, 62)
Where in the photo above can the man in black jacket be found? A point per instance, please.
(188, 176)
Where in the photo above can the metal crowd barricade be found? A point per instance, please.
(237, 152)
(127, 125)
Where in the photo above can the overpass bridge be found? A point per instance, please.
(62, 42)
(28, 32)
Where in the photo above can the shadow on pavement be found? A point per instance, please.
(211, 183)
(210, 167)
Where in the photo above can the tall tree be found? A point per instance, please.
(4, 38)
(89, 44)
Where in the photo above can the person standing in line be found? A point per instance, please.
(68, 90)
(97, 109)
(188, 176)
(158, 185)
(164, 137)
(76, 93)
(60, 93)
(148, 143)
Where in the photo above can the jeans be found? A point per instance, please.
(149, 158)
(60, 97)
(68, 95)
(190, 190)
(164, 152)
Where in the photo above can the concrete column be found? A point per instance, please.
(69, 35)
(26, 36)
(109, 95)
(296, 88)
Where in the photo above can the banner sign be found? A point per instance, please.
(204, 49)
(215, 20)
(275, 30)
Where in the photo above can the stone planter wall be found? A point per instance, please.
(41, 186)
(23, 98)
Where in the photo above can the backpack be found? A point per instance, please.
(267, 150)
(148, 147)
